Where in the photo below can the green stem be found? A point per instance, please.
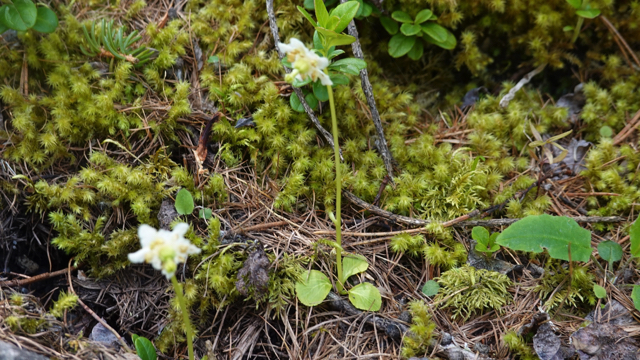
(336, 154)
(185, 315)
(576, 32)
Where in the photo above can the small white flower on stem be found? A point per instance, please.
(305, 62)
(163, 249)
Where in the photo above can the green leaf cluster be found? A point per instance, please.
(414, 31)
(110, 41)
(22, 15)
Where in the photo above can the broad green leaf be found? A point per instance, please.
(349, 65)
(366, 10)
(345, 12)
(311, 100)
(448, 44)
(134, 337)
(295, 103)
(365, 296)
(21, 15)
(400, 45)
(634, 238)
(320, 91)
(389, 24)
(333, 23)
(331, 38)
(600, 292)
(360, 6)
(588, 14)
(339, 79)
(313, 288)
(635, 296)
(416, 51)
(353, 264)
(437, 32)
(401, 16)
(431, 288)
(308, 16)
(3, 27)
(423, 16)
(145, 349)
(410, 29)
(333, 53)
(480, 234)
(46, 20)
(554, 233)
(184, 202)
(610, 251)
(308, 4)
(576, 4)
(321, 13)
(205, 213)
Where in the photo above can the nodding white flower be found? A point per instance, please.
(306, 63)
(163, 249)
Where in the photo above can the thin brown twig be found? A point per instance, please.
(33, 279)
(617, 34)
(628, 129)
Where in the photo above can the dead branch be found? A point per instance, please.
(504, 102)
(381, 142)
(23, 282)
(273, 25)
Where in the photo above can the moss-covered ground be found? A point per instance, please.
(91, 146)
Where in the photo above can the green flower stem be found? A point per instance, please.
(576, 32)
(185, 314)
(338, 224)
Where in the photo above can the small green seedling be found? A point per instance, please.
(144, 347)
(205, 213)
(431, 288)
(599, 291)
(584, 11)
(409, 34)
(113, 43)
(550, 141)
(486, 243)
(22, 15)
(610, 251)
(184, 202)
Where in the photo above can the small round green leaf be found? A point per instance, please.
(416, 51)
(353, 264)
(46, 21)
(320, 91)
(400, 45)
(205, 213)
(423, 16)
(410, 29)
(588, 14)
(606, 132)
(311, 100)
(389, 24)
(339, 79)
(313, 288)
(576, 4)
(365, 296)
(437, 32)
(635, 296)
(634, 238)
(401, 16)
(600, 292)
(184, 202)
(554, 233)
(296, 105)
(145, 349)
(480, 234)
(610, 251)
(21, 15)
(431, 288)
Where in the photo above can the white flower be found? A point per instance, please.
(305, 62)
(163, 249)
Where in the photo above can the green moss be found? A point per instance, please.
(417, 341)
(556, 286)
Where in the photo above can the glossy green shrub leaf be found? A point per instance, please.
(431, 288)
(353, 264)
(634, 238)
(320, 91)
(401, 16)
(600, 292)
(345, 13)
(416, 51)
(365, 296)
(21, 15)
(423, 16)
(46, 20)
(300, 83)
(3, 27)
(339, 79)
(635, 296)
(389, 24)
(184, 202)
(331, 38)
(313, 288)
(295, 103)
(321, 13)
(366, 11)
(145, 349)
(449, 44)
(589, 13)
(400, 45)
(410, 29)
(437, 32)
(333, 53)
(307, 16)
(554, 233)
(576, 4)
(311, 100)
(205, 213)
(350, 66)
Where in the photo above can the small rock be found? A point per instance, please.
(167, 214)
(102, 335)
(472, 96)
(604, 342)
(9, 351)
(613, 313)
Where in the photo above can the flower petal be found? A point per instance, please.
(181, 229)
(325, 79)
(138, 256)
